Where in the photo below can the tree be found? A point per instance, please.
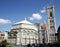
(4, 43)
(58, 36)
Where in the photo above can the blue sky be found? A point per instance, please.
(12, 11)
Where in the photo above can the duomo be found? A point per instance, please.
(25, 32)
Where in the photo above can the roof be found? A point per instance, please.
(45, 26)
(24, 21)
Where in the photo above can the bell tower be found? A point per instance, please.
(51, 24)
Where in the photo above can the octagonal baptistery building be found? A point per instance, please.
(26, 32)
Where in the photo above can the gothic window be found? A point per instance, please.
(51, 21)
(50, 14)
(51, 26)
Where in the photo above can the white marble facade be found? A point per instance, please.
(26, 32)
(51, 24)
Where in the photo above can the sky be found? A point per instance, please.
(13, 11)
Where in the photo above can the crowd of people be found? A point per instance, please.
(44, 45)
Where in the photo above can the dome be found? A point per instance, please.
(45, 26)
(24, 21)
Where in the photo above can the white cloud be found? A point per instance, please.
(43, 11)
(31, 18)
(4, 21)
(36, 16)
